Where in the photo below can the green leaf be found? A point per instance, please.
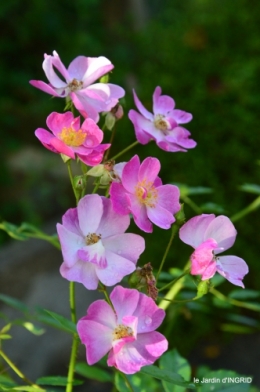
(251, 188)
(173, 361)
(186, 190)
(28, 388)
(56, 320)
(5, 336)
(166, 375)
(212, 208)
(31, 327)
(244, 294)
(93, 372)
(56, 380)
(235, 328)
(14, 303)
(6, 328)
(224, 380)
(13, 231)
(139, 383)
(5, 381)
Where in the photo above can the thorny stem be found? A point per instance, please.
(253, 206)
(17, 371)
(175, 228)
(125, 150)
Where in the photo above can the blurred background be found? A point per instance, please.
(205, 54)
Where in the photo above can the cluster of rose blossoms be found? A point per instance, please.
(93, 238)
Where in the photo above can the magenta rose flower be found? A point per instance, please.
(209, 236)
(127, 332)
(94, 244)
(163, 124)
(142, 194)
(90, 99)
(69, 138)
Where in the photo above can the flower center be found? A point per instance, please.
(146, 193)
(92, 238)
(75, 85)
(161, 123)
(71, 137)
(122, 331)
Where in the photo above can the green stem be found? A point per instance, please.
(104, 290)
(174, 290)
(191, 203)
(175, 280)
(71, 180)
(96, 186)
(17, 371)
(110, 141)
(253, 206)
(125, 150)
(75, 341)
(174, 231)
(232, 301)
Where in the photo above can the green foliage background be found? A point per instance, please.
(204, 53)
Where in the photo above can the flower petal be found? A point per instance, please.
(233, 268)
(181, 117)
(141, 135)
(53, 78)
(112, 223)
(141, 352)
(57, 121)
(47, 88)
(223, 231)
(71, 222)
(90, 210)
(149, 169)
(97, 339)
(81, 272)
(130, 174)
(70, 243)
(126, 245)
(193, 231)
(141, 108)
(162, 104)
(168, 198)
(117, 268)
(119, 199)
(124, 301)
(160, 216)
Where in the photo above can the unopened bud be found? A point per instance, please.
(180, 216)
(96, 171)
(203, 288)
(79, 182)
(110, 121)
(104, 79)
(117, 111)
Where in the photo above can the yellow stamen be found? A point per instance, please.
(92, 238)
(71, 137)
(161, 123)
(122, 331)
(146, 193)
